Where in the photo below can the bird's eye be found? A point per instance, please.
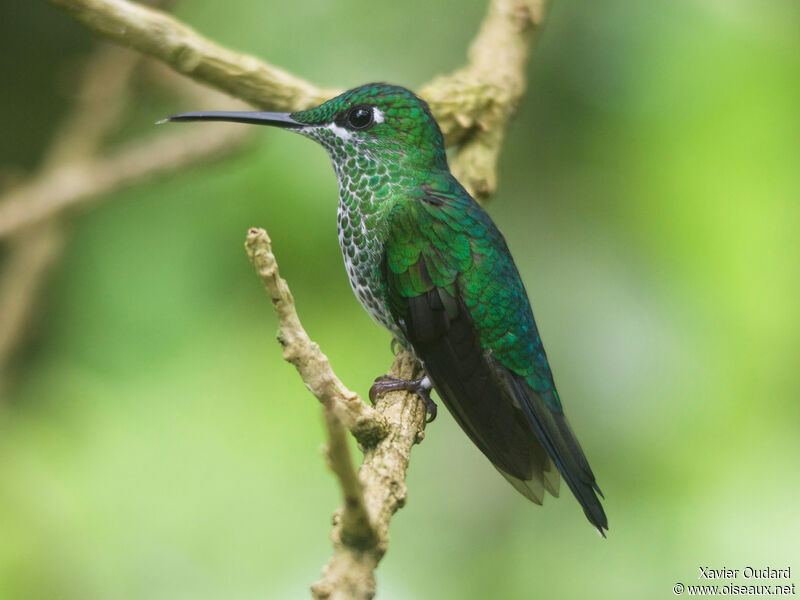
(360, 117)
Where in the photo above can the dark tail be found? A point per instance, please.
(506, 418)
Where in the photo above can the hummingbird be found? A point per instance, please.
(428, 263)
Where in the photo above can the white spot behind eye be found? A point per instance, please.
(340, 132)
(377, 115)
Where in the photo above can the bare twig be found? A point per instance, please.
(357, 528)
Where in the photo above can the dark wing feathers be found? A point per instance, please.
(465, 380)
(442, 260)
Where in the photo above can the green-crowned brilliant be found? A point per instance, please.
(427, 262)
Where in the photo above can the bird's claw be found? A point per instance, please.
(422, 387)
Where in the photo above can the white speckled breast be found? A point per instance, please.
(364, 203)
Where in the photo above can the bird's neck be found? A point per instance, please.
(367, 195)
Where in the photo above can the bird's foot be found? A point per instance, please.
(422, 387)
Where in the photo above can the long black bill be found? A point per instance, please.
(275, 119)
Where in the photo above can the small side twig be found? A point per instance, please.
(357, 528)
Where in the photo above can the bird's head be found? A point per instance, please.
(375, 122)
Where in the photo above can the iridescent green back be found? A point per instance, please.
(443, 239)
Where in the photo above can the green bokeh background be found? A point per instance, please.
(153, 444)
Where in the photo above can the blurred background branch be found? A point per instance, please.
(29, 258)
(68, 186)
(37, 242)
(74, 172)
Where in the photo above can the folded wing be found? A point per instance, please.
(455, 293)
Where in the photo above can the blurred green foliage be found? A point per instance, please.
(154, 445)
